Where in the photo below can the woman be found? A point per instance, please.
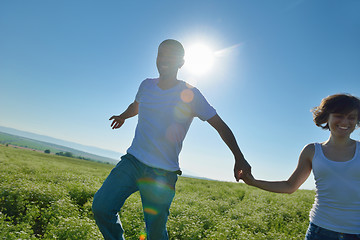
(336, 167)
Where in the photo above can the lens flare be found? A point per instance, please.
(175, 133)
(182, 112)
(151, 182)
(156, 190)
(142, 236)
(187, 95)
(150, 210)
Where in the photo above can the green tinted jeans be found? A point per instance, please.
(157, 190)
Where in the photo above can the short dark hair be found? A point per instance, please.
(337, 103)
(176, 45)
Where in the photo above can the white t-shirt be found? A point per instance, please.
(163, 120)
(337, 201)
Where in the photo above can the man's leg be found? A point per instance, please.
(157, 190)
(109, 199)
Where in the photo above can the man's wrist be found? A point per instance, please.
(240, 158)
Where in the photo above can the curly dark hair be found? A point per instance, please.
(337, 103)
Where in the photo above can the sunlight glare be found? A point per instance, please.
(199, 59)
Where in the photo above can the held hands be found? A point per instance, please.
(241, 169)
(117, 122)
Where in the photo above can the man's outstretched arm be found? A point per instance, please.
(241, 166)
(131, 111)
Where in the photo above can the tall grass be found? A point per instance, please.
(49, 197)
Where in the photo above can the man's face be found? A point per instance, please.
(168, 61)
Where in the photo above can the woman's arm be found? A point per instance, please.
(298, 177)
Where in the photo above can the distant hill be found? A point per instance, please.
(40, 142)
(27, 140)
(47, 139)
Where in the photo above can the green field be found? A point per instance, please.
(44, 196)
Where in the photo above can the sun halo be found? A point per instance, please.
(199, 59)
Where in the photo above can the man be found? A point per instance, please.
(165, 107)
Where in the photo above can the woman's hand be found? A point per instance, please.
(249, 179)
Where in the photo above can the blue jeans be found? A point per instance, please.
(157, 190)
(315, 232)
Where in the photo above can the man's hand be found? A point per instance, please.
(241, 168)
(117, 122)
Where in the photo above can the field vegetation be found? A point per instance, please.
(46, 196)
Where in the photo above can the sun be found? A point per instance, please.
(199, 59)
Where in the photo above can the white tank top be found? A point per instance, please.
(337, 200)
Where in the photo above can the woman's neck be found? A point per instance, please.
(339, 141)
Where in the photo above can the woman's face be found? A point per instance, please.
(341, 124)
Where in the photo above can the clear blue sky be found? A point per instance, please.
(67, 66)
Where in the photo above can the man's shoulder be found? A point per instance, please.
(148, 82)
(186, 85)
